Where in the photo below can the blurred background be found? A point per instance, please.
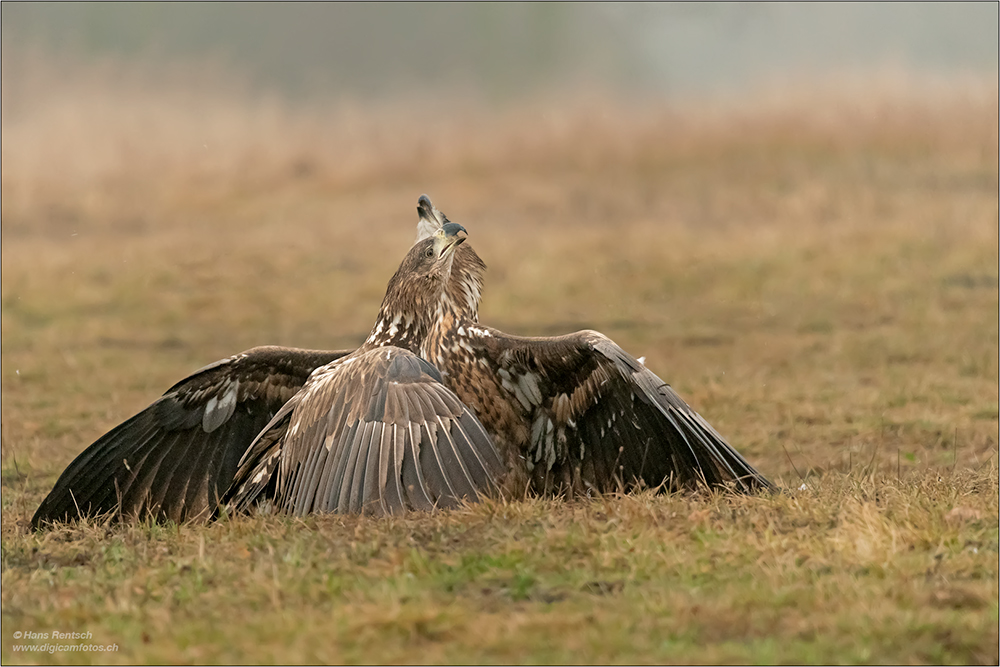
(254, 95)
(504, 51)
(743, 193)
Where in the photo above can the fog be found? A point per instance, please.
(506, 51)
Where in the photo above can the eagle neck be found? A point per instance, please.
(453, 323)
(398, 328)
(465, 285)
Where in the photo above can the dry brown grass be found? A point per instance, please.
(816, 272)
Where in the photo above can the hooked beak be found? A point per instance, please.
(450, 236)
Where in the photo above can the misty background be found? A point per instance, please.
(505, 51)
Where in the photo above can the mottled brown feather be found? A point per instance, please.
(377, 431)
(574, 413)
(176, 458)
(363, 469)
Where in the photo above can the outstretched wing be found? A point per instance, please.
(376, 433)
(589, 415)
(177, 457)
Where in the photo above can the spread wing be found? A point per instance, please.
(177, 457)
(595, 417)
(376, 433)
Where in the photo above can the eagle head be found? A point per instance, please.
(465, 284)
(415, 293)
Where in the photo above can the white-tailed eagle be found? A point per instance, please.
(433, 408)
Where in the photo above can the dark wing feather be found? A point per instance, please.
(597, 418)
(376, 433)
(177, 457)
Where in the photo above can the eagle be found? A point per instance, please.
(372, 430)
(433, 408)
(571, 414)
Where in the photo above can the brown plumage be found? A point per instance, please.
(381, 430)
(309, 416)
(176, 458)
(377, 431)
(574, 413)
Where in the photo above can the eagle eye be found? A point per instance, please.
(429, 252)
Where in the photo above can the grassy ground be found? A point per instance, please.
(815, 272)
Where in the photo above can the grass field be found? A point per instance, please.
(814, 271)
